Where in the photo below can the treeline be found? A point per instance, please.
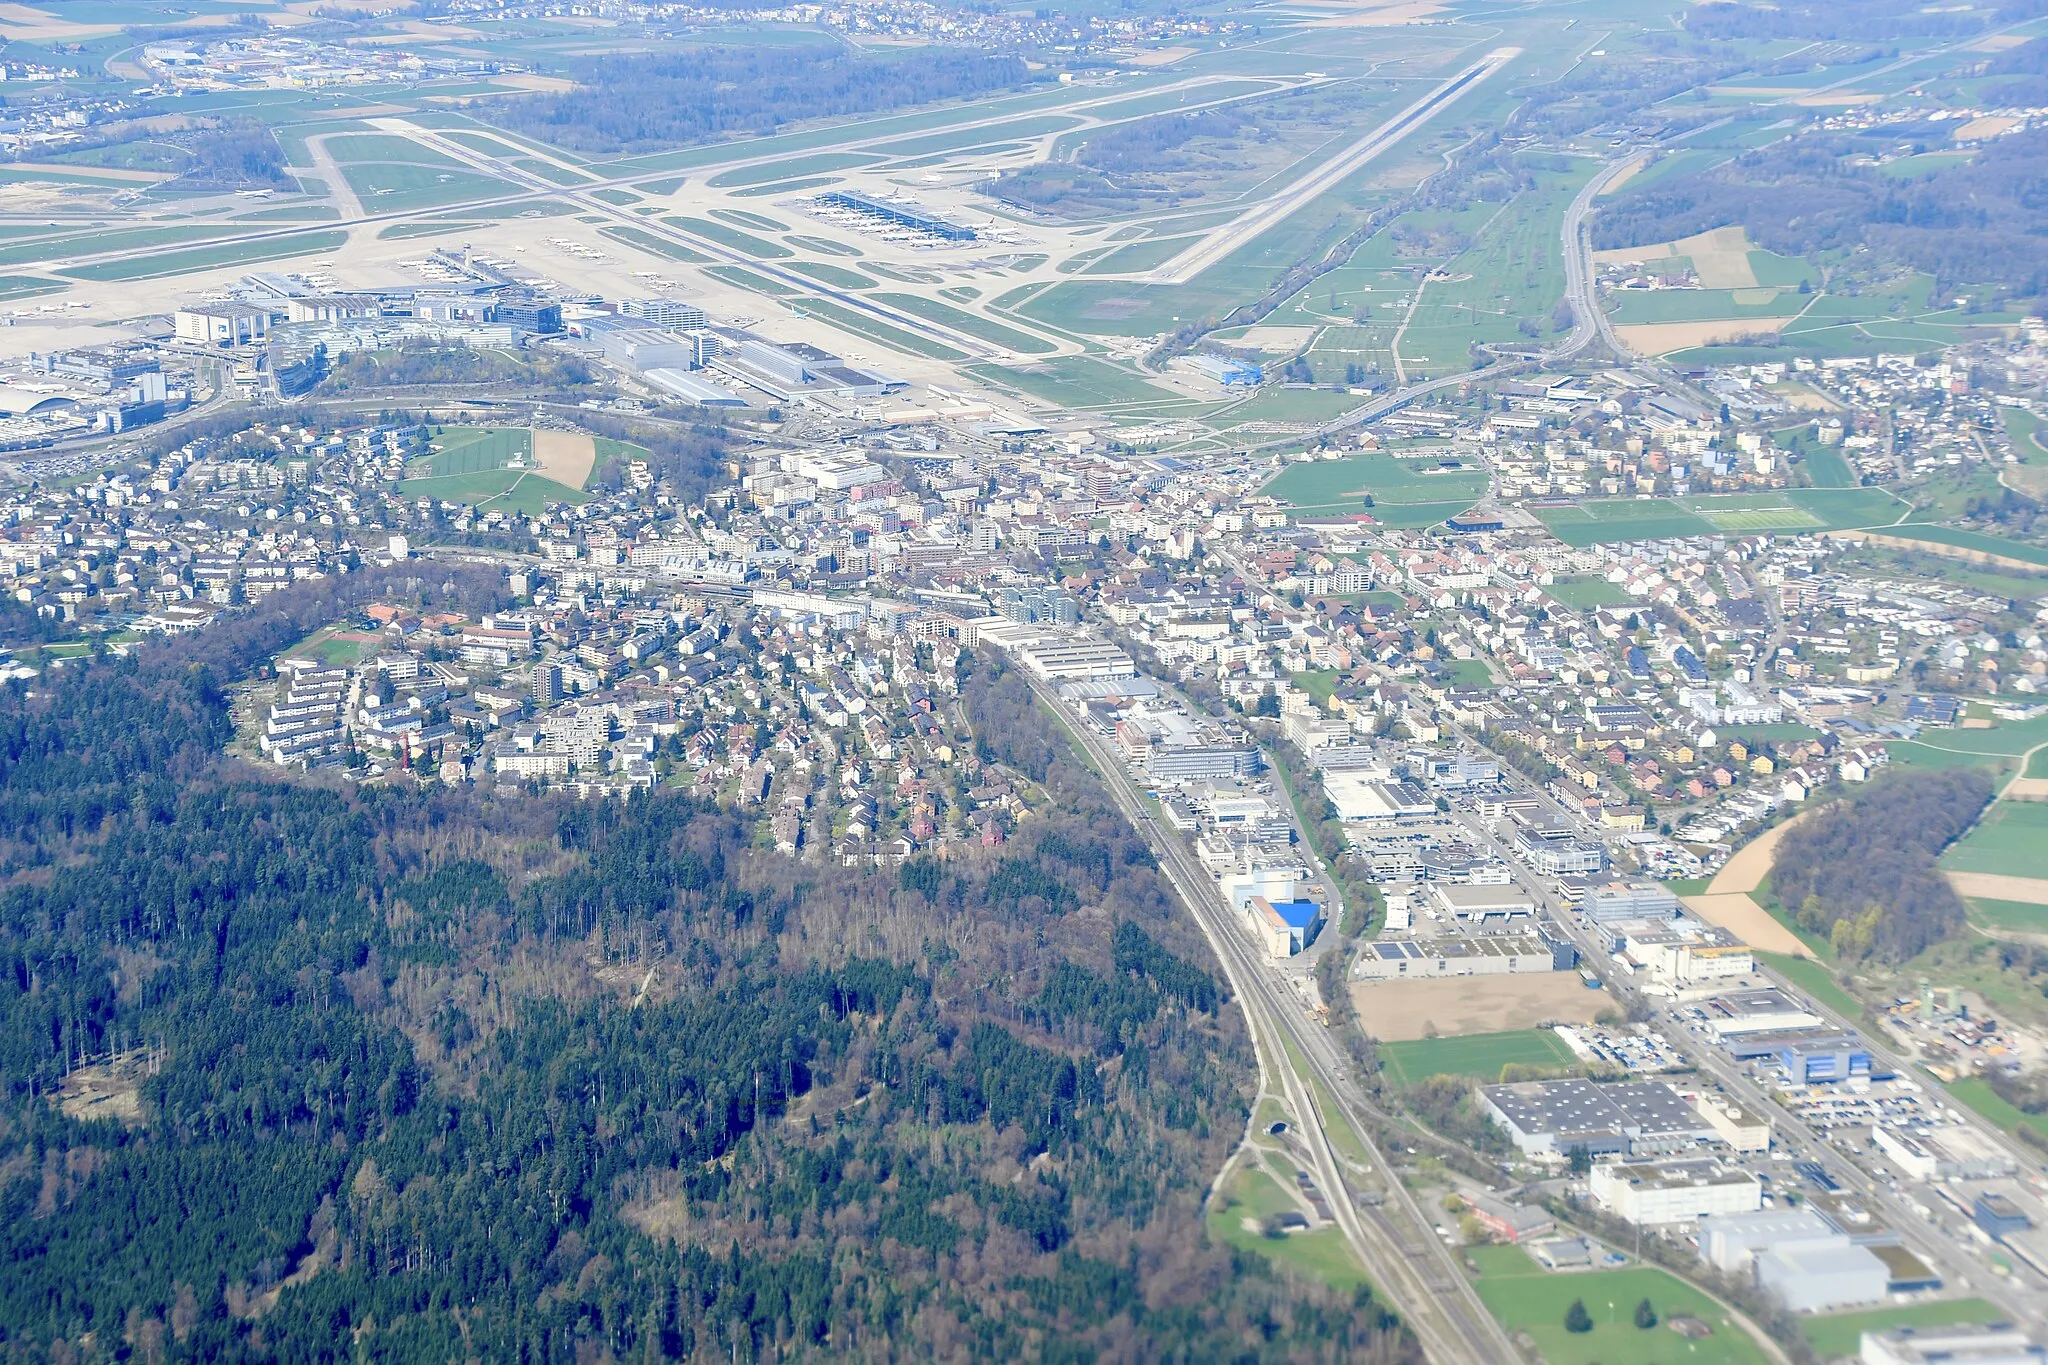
(642, 103)
(1862, 873)
(1973, 222)
(428, 1074)
(1867, 21)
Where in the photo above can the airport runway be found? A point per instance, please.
(1218, 244)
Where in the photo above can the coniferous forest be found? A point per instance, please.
(293, 1071)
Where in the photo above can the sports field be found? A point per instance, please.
(1746, 520)
(1479, 1055)
(2011, 841)
(1609, 521)
(1527, 1298)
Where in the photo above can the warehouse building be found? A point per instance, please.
(1551, 1118)
(1813, 1277)
(1492, 955)
(1997, 1345)
(1732, 1241)
(1953, 1153)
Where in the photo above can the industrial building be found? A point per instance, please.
(1487, 955)
(1624, 901)
(1734, 1125)
(1806, 1058)
(1285, 927)
(1481, 904)
(1995, 1345)
(1551, 1118)
(1659, 1191)
(1731, 1241)
(1815, 1276)
(1955, 1153)
(1681, 957)
(903, 215)
(1768, 1010)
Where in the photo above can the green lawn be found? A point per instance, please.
(759, 248)
(1470, 672)
(863, 324)
(1319, 683)
(1077, 381)
(1841, 1334)
(2011, 840)
(1332, 484)
(1584, 594)
(1816, 980)
(969, 324)
(1480, 1055)
(747, 279)
(1527, 1298)
(838, 276)
(1995, 1108)
(1827, 468)
(208, 257)
(2027, 919)
(1703, 305)
(660, 246)
(1938, 535)
(789, 170)
(1251, 1193)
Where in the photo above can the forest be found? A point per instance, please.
(1973, 222)
(421, 362)
(299, 1070)
(630, 104)
(1861, 873)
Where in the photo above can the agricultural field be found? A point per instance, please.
(2014, 915)
(1527, 1298)
(1479, 1055)
(2011, 841)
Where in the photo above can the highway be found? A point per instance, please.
(1590, 322)
(1396, 1243)
(1215, 245)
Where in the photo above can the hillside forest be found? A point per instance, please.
(1861, 873)
(296, 1071)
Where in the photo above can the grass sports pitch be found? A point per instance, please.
(1764, 519)
(1480, 1055)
